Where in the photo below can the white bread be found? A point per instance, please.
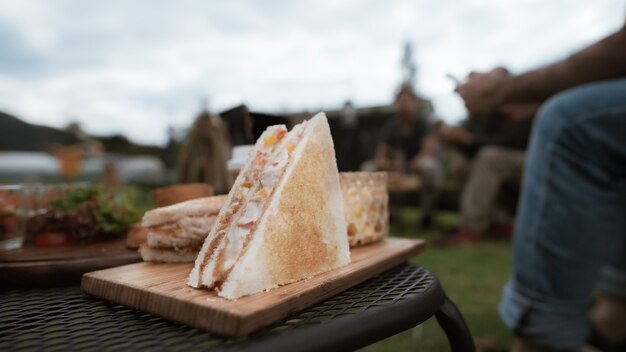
(167, 255)
(191, 208)
(166, 240)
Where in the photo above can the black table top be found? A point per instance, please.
(61, 319)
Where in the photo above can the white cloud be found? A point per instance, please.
(138, 67)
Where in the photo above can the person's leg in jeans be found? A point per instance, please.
(571, 222)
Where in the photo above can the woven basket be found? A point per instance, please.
(365, 206)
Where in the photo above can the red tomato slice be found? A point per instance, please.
(281, 134)
(46, 239)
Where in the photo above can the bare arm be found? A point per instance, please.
(485, 93)
(602, 60)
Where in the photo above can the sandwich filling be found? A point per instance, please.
(189, 231)
(249, 202)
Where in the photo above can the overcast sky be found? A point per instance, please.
(136, 67)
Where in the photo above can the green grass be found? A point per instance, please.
(471, 276)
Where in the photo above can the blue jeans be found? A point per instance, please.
(570, 237)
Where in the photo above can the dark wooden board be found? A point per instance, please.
(32, 266)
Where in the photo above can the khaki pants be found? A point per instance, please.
(492, 168)
(430, 173)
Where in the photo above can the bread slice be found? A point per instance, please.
(167, 255)
(301, 231)
(199, 207)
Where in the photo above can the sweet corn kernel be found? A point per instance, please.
(372, 210)
(358, 211)
(262, 193)
(290, 147)
(270, 141)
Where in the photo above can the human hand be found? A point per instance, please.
(483, 93)
(520, 111)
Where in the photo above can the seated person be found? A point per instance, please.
(569, 247)
(497, 149)
(407, 144)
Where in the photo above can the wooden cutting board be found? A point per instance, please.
(161, 289)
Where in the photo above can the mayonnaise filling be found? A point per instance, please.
(189, 228)
(196, 226)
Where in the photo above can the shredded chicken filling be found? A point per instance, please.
(237, 200)
(260, 185)
(189, 231)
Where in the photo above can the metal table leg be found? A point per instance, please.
(453, 324)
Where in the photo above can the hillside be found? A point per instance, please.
(18, 135)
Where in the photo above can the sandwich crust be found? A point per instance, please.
(167, 255)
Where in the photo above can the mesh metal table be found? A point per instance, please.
(61, 319)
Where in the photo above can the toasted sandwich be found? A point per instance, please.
(176, 232)
(283, 219)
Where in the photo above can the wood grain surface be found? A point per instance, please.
(161, 289)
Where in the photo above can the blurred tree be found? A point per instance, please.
(409, 69)
(75, 129)
(16, 134)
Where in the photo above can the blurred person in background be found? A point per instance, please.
(350, 144)
(570, 234)
(493, 152)
(408, 144)
(204, 154)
